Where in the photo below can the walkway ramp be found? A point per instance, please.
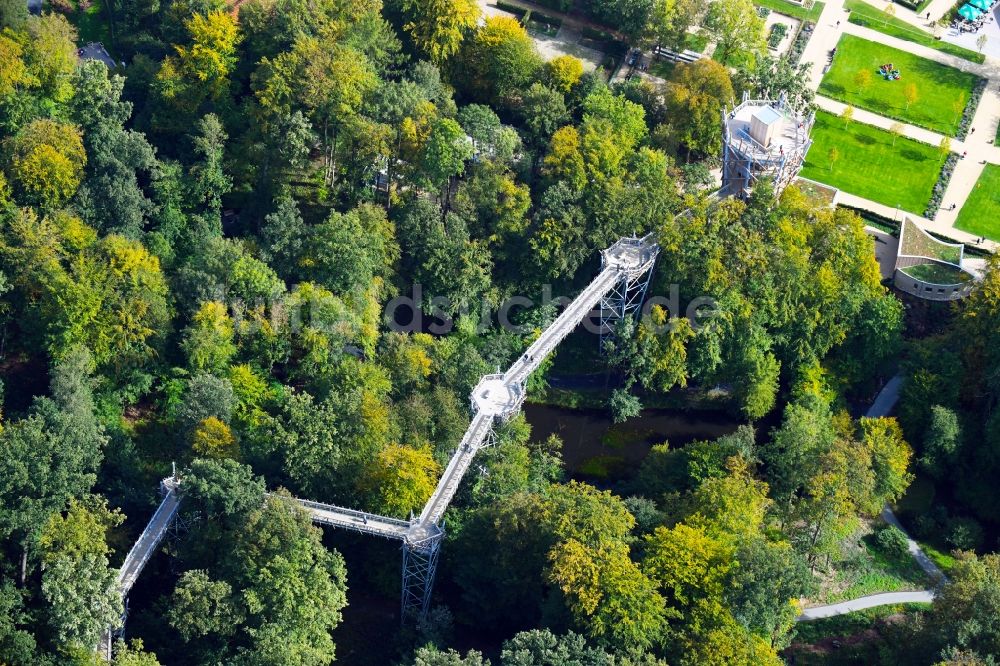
(358, 521)
(151, 537)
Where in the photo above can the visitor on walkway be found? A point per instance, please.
(972, 131)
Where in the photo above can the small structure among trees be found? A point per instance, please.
(763, 139)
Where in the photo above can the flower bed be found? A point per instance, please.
(970, 109)
(778, 31)
(937, 194)
(801, 39)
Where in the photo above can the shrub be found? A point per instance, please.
(777, 33)
(965, 533)
(892, 541)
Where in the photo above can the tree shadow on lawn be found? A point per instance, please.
(943, 74)
(913, 155)
(864, 139)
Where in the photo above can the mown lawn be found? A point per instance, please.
(792, 9)
(981, 213)
(870, 166)
(864, 14)
(942, 91)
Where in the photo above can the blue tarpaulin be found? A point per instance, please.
(980, 4)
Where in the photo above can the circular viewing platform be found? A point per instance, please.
(495, 397)
(632, 255)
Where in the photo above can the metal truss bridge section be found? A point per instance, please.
(159, 525)
(616, 292)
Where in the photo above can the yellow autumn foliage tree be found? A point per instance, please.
(213, 439)
(401, 479)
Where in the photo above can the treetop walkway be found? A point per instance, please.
(615, 293)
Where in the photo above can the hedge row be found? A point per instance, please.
(799, 45)
(937, 194)
(970, 109)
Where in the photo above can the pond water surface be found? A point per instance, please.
(593, 446)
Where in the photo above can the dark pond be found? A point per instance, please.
(595, 447)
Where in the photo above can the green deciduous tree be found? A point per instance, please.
(890, 456)
(50, 456)
(202, 607)
(966, 610)
(400, 479)
(607, 594)
(77, 581)
(543, 111)
(499, 61)
(292, 586)
(737, 27)
(208, 342)
(213, 439)
(942, 440)
(51, 56)
(111, 198)
(694, 95)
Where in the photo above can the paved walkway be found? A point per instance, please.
(869, 118)
(978, 146)
(886, 246)
(861, 603)
(926, 563)
(882, 405)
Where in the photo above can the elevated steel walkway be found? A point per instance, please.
(614, 294)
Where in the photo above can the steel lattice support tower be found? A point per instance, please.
(763, 139)
(624, 300)
(419, 566)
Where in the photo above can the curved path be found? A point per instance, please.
(861, 603)
(883, 405)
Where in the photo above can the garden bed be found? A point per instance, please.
(937, 274)
(941, 186)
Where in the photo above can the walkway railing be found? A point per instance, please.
(502, 395)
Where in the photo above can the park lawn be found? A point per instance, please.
(981, 213)
(870, 166)
(792, 9)
(864, 14)
(939, 87)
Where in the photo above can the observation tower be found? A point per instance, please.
(762, 139)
